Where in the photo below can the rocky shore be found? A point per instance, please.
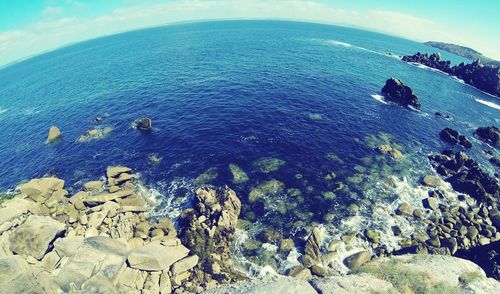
(483, 77)
(102, 239)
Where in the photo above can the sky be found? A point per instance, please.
(31, 27)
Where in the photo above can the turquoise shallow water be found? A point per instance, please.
(219, 93)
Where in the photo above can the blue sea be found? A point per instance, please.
(295, 106)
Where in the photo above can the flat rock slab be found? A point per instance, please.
(34, 237)
(96, 255)
(281, 285)
(105, 197)
(16, 276)
(157, 255)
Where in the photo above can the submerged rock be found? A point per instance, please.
(490, 135)
(357, 259)
(208, 176)
(269, 164)
(98, 133)
(267, 189)
(395, 91)
(239, 175)
(54, 135)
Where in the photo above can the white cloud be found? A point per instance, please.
(51, 11)
(52, 32)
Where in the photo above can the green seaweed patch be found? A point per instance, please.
(315, 116)
(239, 175)
(269, 188)
(269, 164)
(360, 169)
(208, 176)
(6, 196)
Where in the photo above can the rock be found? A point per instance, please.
(472, 233)
(34, 237)
(443, 115)
(313, 245)
(357, 259)
(96, 255)
(106, 197)
(114, 171)
(490, 135)
(41, 189)
(404, 209)
(133, 278)
(144, 124)
(50, 261)
(334, 245)
(54, 135)
(300, 272)
(16, 276)
(184, 264)
(395, 91)
(287, 245)
(91, 232)
(93, 186)
(68, 246)
(165, 284)
(211, 239)
(452, 136)
(486, 256)
(432, 181)
(239, 175)
(430, 203)
(155, 256)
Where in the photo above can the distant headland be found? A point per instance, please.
(463, 51)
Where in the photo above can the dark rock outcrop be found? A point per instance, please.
(486, 256)
(144, 124)
(452, 136)
(490, 135)
(209, 228)
(443, 116)
(466, 176)
(483, 77)
(395, 91)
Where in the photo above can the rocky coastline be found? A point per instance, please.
(483, 77)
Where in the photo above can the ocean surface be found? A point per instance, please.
(295, 106)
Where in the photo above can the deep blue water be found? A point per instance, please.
(231, 92)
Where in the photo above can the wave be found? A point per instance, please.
(457, 79)
(379, 98)
(488, 103)
(2, 110)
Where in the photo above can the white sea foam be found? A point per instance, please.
(2, 110)
(457, 79)
(488, 103)
(171, 197)
(379, 98)
(32, 111)
(338, 43)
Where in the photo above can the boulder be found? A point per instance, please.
(40, 189)
(357, 259)
(157, 255)
(395, 91)
(106, 197)
(404, 209)
(35, 236)
(114, 171)
(184, 264)
(432, 181)
(54, 135)
(490, 135)
(144, 124)
(313, 245)
(430, 203)
(454, 137)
